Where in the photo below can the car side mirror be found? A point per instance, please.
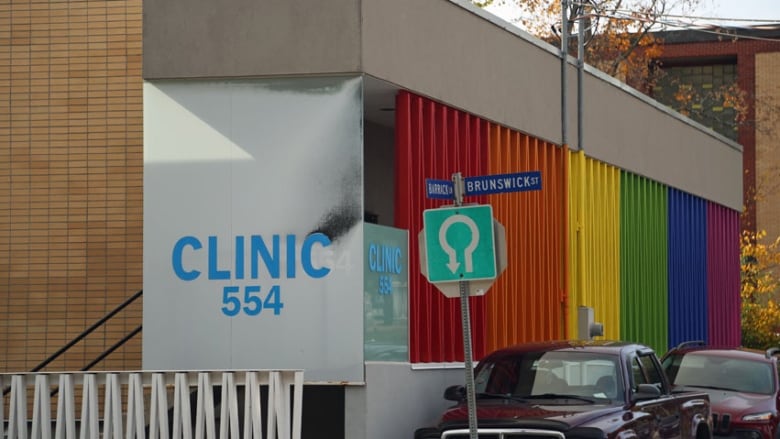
(646, 391)
(455, 393)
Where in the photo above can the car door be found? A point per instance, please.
(660, 417)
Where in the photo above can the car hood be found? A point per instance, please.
(558, 414)
(739, 404)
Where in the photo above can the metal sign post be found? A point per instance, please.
(481, 242)
(471, 400)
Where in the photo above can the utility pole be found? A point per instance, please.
(564, 85)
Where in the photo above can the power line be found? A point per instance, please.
(659, 19)
(687, 26)
(741, 20)
(693, 17)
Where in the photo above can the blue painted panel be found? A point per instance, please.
(687, 268)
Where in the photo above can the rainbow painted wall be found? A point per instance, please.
(658, 265)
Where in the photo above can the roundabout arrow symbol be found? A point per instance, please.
(468, 252)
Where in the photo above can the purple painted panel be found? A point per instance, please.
(723, 301)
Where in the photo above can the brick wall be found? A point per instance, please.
(767, 148)
(745, 52)
(71, 176)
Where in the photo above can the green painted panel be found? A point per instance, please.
(643, 261)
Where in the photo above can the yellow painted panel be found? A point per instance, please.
(594, 242)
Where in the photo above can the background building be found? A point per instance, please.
(709, 60)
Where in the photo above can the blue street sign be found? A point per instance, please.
(441, 189)
(499, 183)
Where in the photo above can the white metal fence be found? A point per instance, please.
(125, 399)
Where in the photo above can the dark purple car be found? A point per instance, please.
(742, 385)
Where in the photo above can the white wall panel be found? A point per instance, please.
(253, 208)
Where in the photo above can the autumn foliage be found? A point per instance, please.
(759, 290)
(618, 34)
(620, 41)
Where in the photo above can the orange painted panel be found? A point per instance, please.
(528, 301)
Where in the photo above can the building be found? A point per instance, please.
(272, 130)
(708, 59)
(71, 197)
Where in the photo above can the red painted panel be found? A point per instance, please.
(723, 300)
(435, 141)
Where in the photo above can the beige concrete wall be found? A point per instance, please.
(460, 55)
(767, 147)
(457, 54)
(203, 38)
(626, 129)
(452, 52)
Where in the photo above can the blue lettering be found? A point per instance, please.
(308, 243)
(239, 257)
(176, 258)
(372, 257)
(214, 272)
(290, 256)
(271, 261)
(261, 254)
(387, 259)
(384, 259)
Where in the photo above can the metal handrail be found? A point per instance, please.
(88, 331)
(114, 347)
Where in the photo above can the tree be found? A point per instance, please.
(759, 290)
(618, 33)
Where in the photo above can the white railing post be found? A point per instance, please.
(89, 409)
(2, 408)
(65, 426)
(229, 411)
(136, 423)
(112, 409)
(204, 413)
(158, 418)
(182, 419)
(17, 417)
(282, 408)
(253, 408)
(297, 404)
(281, 404)
(41, 424)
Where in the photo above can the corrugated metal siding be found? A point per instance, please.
(594, 242)
(723, 274)
(643, 264)
(687, 268)
(434, 141)
(526, 302)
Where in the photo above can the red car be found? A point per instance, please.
(572, 390)
(742, 385)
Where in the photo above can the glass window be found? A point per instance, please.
(698, 92)
(645, 371)
(717, 372)
(385, 294)
(558, 372)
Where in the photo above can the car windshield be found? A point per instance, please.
(584, 376)
(700, 369)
